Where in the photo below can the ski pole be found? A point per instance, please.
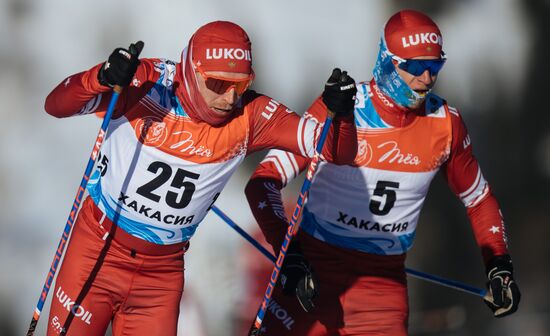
(72, 215)
(293, 225)
(243, 233)
(76, 203)
(446, 282)
(414, 273)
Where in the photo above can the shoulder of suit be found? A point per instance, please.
(160, 69)
(436, 106)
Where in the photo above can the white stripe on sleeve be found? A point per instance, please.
(90, 106)
(476, 192)
(284, 162)
(308, 131)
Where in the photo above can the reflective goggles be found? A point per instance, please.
(221, 85)
(416, 67)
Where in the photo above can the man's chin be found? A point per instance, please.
(419, 101)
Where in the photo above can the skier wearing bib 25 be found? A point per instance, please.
(347, 261)
(178, 133)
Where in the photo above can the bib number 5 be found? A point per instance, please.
(384, 197)
(177, 200)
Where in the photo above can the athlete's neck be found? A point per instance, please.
(389, 111)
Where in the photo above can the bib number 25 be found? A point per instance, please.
(186, 188)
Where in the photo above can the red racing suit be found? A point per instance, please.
(158, 173)
(360, 219)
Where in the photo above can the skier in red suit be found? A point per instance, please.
(178, 133)
(346, 267)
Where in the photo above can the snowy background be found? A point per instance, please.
(496, 75)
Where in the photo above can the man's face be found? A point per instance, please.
(421, 83)
(220, 102)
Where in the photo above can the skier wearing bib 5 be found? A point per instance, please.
(347, 265)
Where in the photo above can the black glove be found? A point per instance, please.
(297, 277)
(503, 294)
(121, 66)
(339, 93)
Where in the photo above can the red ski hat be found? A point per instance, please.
(410, 34)
(221, 46)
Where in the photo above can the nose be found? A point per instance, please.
(230, 96)
(426, 77)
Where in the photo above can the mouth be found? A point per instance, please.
(222, 111)
(422, 92)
